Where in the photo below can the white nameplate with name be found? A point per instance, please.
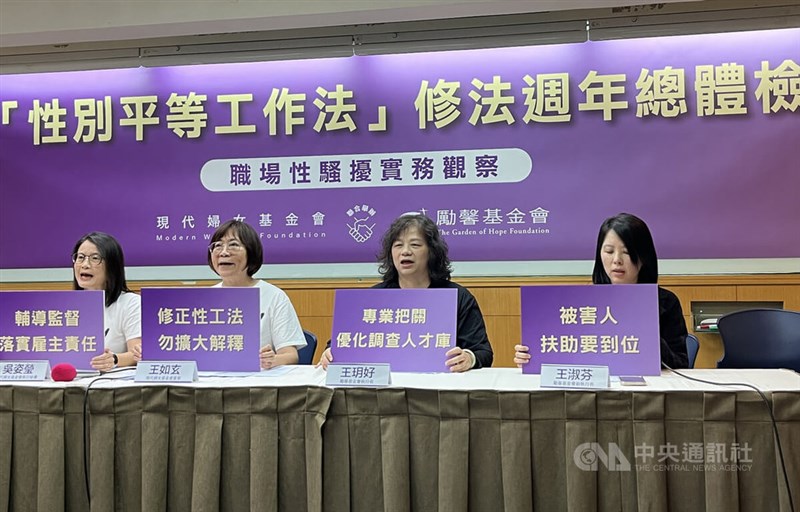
(359, 374)
(24, 370)
(574, 376)
(166, 371)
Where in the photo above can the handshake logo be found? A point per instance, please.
(360, 228)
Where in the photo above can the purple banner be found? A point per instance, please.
(59, 326)
(614, 326)
(219, 328)
(519, 152)
(409, 329)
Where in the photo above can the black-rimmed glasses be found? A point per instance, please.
(231, 246)
(93, 259)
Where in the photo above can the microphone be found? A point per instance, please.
(63, 372)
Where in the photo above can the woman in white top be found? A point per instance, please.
(98, 264)
(235, 254)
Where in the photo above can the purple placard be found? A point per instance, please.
(59, 326)
(508, 162)
(410, 329)
(217, 327)
(613, 325)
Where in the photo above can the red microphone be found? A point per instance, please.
(64, 372)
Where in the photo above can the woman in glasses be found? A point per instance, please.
(235, 254)
(626, 254)
(98, 264)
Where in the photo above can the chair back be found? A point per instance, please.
(692, 346)
(760, 338)
(306, 354)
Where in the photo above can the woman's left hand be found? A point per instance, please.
(458, 360)
(267, 357)
(521, 355)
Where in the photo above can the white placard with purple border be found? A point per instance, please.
(24, 370)
(600, 325)
(219, 328)
(409, 329)
(574, 376)
(370, 375)
(56, 326)
(166, 371)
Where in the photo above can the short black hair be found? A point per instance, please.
(439, 267)
(636, 236)
(111, 252)
(249, 238)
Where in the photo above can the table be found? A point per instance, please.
(489, 439)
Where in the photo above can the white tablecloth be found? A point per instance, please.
(499, 379)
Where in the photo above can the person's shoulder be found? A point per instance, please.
(269, 288)
(446, 283)
(385, 284)
(667, 299)
(126, 298)
(463, 293)
(664, 294)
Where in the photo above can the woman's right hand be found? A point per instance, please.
(521, 355)
(136, 351)
(326, 359)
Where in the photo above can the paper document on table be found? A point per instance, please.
(231, 375)
(276, 372)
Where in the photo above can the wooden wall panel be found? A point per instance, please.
(504, 333)
(312, 302)
(497, 301)
(701, 293)
(789, 295)
(710, 350)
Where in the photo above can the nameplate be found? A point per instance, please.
(574, 376)
(355, 374)
(166, 371)
(24, 370)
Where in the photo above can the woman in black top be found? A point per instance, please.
(625, 254)
(414, 255)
